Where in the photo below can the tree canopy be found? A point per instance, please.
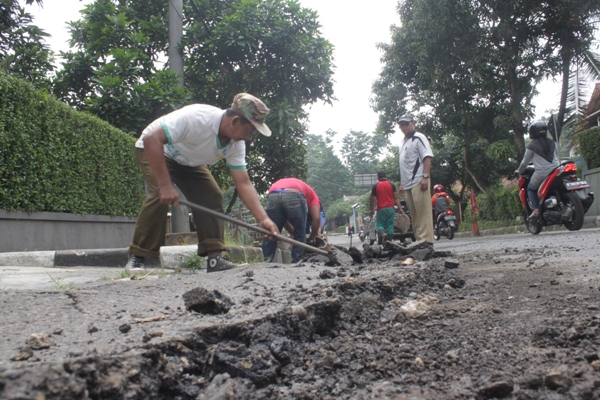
(472, 67)
(327, 175)
(361, 151)
(272, 49)
(23, 50)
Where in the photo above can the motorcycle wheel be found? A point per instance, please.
(534, 227)
(576, 222)
(450, 233)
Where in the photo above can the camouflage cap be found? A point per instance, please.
(252, 109)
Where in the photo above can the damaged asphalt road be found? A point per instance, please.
(496, 317)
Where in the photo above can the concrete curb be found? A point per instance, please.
(590, 222)
(174, 256)
(28, 259)
(170, 257)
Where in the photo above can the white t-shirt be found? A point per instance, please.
(192, 133)
(412, 153)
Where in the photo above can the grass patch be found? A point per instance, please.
(59, 285)
(193, 262)
(160, 272)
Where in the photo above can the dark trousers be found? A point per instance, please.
(286, 206)
(533, 196)
(198, 186)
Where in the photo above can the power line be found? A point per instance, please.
(176, 10)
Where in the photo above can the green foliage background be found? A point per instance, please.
(500, 204)
(591, 150)
(54, 158)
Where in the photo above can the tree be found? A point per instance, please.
(115, 71)
(468, 56)
(272, 49)
(330, 179)
(23, 51)
(361, 151)
(473, 68)
(391, 164)
(339, 211)
(571, 29)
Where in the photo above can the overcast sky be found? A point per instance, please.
(354, 31)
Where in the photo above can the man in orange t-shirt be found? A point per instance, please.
(289, 203)
(440, 202)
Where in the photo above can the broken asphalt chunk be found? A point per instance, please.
(207, 302)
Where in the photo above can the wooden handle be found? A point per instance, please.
(251, 227)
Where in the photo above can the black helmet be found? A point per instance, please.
(537, 129)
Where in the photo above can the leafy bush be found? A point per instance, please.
(339, 211)
(500, 205)
(589, 143)
(54, 158)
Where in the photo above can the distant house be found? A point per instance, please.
(592, 112)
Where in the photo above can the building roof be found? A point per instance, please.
(594, 105)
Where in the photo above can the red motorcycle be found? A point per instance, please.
(562, 199)
(445, 225)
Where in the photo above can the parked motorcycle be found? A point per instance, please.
(445, 225)
(361, 235)
(562, 199)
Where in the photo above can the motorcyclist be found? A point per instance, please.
(440, 202)
(361, 234)
(542, 152)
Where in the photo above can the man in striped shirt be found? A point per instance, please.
(415, 164)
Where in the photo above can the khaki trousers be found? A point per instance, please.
(419, 205)
(198, 186)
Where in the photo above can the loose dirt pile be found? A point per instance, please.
(505, 323)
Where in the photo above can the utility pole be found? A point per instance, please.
(180, 221)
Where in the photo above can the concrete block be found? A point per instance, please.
(28, 259)
(245, 254)
(181, 239)
(282, 256)
(91, 258)
(174, 256)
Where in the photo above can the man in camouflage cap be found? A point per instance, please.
(253, 109)
(176, 149)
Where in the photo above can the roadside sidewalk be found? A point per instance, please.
(589, 222)
(170, 257)
(173, 256)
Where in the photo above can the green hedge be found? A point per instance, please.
(53, 158)
(589, 143)
(501, 205)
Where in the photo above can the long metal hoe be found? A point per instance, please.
(251, 227)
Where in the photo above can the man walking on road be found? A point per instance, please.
(176, 149)
(385, 194)
(415, 164)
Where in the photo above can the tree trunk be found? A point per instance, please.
(516, 114)
(562, 107)
(471, 171)
(519, 131)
